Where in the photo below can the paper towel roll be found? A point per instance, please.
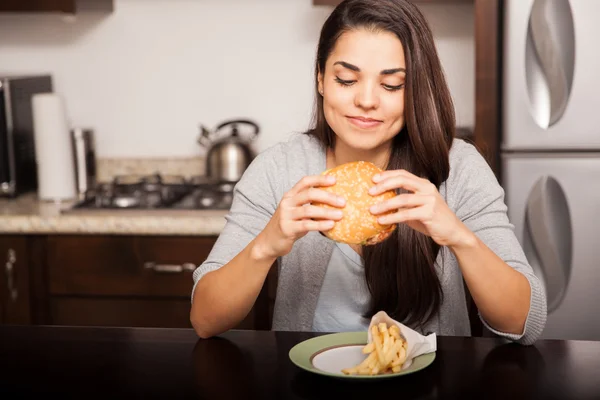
(53, 150)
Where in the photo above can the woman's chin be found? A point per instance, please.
(365, 142)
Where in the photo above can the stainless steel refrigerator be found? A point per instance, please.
(551, 153)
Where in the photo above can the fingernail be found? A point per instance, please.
(373, 190)
(330, 178)
(341, 201)
(338, 214)
(376, 178)
(374, 209)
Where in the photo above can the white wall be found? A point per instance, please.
(146, 75)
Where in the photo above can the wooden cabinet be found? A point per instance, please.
(14, 281)
(124, 265)
(111, 281)
(129, 280)
(104, 280)
(65, 6)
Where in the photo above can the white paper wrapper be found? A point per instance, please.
(416, 343)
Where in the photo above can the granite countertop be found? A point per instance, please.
(27, 215)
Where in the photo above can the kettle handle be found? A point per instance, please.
(242, 122)
(205, 138)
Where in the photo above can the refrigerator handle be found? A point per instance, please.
(550, 59)
(548, 224)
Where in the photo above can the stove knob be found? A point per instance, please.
(207, 202)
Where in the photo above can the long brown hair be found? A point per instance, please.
(400, 272)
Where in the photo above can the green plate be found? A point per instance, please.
(329, 354)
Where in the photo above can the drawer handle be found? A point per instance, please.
(9, 268)
(170, 268)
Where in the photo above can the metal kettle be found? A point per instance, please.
(229, 153)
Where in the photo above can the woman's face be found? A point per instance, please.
(363, 89)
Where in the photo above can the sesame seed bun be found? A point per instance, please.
(358, 225)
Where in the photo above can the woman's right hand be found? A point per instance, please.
(296, 216)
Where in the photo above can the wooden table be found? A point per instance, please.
(82, 362)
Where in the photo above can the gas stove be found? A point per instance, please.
(158, 192)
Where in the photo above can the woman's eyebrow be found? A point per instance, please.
(356, 69)
(392, 71)
(347, 65)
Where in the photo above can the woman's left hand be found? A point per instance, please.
(423, 210)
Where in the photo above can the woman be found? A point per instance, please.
(381, 97)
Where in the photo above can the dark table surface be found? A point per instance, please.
(80, 362)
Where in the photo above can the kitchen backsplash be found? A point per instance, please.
(108, 168)
(145, 76)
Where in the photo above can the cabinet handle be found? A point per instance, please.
(170, 268)
(9, 268)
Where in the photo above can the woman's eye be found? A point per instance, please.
(344, 82)
(392, 88)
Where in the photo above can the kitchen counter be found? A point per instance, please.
(88, 362)
(28, 215)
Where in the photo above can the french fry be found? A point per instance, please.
(387, 352)
(366, 364)
(386, 343)
(350, 371)
(369, 361)
(373, 361)
(392, 353)
(385, 336)
(401, 358)
(368, 348)
(378, 346)
(403, 354)
(395, 332)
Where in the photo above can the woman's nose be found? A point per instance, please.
(366, 97)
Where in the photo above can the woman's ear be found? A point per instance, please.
(320, 83)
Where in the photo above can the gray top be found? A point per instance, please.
(471, 191)
(344, 297)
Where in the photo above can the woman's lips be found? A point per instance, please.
(365, 123)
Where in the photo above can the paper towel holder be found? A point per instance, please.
(53, 148)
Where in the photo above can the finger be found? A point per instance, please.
(311, 181)
(392, 172)
(407, 200)
(308, 225)
(407, 214)
(401, 181)
(314, 195)
(310, 211)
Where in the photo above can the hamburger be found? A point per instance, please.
(358, 225)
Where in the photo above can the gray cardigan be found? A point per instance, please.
(471, 191)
